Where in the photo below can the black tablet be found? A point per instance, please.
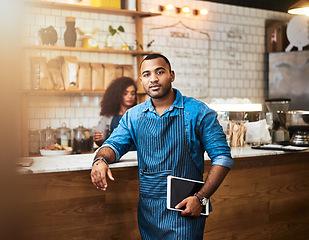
(181, 188)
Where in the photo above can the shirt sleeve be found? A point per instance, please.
(214, 140)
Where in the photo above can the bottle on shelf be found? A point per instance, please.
(70, 33)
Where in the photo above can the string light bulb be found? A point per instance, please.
(185, 9)
(169, 6)
(203, 11)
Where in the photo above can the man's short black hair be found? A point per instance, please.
(157, 55)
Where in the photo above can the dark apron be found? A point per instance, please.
(163, 150)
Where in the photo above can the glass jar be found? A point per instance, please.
(34, 141)
(83, 141)
(48, 137)
(64, 136)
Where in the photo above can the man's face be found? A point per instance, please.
(156, 77)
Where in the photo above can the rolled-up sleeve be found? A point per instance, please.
(223, 160)
(214, 139)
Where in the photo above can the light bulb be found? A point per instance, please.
(203, 11)
(169, 6)
(185, 9)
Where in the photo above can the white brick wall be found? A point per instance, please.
(236, 67)
(237, 36)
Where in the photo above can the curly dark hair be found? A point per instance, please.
(111, 100)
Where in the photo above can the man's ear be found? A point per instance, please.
(172, 76)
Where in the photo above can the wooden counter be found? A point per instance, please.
(263, 197)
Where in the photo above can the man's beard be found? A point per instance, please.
(159, 94)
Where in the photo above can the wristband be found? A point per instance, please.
(98, 160)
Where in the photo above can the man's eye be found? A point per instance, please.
(146, 75)
(160, 72)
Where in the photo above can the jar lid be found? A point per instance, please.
(63, 127)
(48, 129)
(80, 127)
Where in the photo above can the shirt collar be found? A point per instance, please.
(178, 103)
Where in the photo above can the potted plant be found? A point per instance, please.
(112, 31)
(138, 46)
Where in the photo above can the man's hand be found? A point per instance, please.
(98, 175)
(193, 207)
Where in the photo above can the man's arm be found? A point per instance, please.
(100, 168)
(215, 177)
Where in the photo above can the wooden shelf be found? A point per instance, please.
(84, 8)
(138, 54)
(79, 49)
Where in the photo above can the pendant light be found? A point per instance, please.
(301, 7)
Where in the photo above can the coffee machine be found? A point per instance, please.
(297, 123)
(275, 107)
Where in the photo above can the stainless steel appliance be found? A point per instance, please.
(289, 78)
(297, 122)
(275, 106)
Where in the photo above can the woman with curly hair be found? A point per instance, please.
(117, 99)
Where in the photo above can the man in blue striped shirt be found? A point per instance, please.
(171, 132)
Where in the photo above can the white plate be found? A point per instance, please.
(55, 152)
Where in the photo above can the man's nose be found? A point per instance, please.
(154, 78)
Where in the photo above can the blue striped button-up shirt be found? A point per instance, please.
(202, 128)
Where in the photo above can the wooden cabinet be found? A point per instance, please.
(263, 197)
(138, 54)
